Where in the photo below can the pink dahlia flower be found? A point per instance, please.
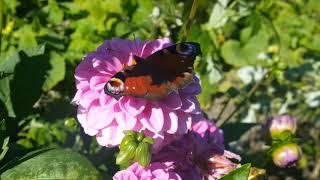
(106, 118)
(200, 154)
(155, 171)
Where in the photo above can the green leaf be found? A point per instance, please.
(4, 74)
(55, 13)
(242, 173)
(238, 53)
(35, 51)
(27, 38)
(56, 73)
(53, 164)
(8, 65)
(5, 148)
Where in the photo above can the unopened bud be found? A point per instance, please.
(287, 155)
(278, 125)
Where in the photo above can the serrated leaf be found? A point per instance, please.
(53, 164)
(241, 173)
(56, 73)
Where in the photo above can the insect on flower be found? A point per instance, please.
(156, 76)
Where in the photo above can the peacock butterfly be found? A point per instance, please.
(156, 76)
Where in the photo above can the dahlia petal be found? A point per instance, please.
(99, 117)
(113, 64)
(110, 136)
(153, 46)
(173, 121)
(172, 101)
(81, 85)
(98, 82)
(106, 100)
(88, 97)
(193, 88)
(125, 175)
(190, 104)
(125, 122)
(82, 118)
(132, 106)
(154, 119)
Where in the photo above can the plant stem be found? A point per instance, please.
(187, 25)
(223, 109)
(244, 100)
(1, 21)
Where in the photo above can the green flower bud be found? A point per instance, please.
(127, 153)
(148, 140)
(143, 154)
(140, 136)
(128, 139)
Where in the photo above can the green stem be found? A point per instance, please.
(187, 25)
(244, 100)
(223, 109)
(1, 22)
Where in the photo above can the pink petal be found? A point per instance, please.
(185, 122)
(99, 117)
(106, 100)
(110, 136)
(88, 97)
(171, 121)
(113, 64)
(82, 118)
(132, 106)
(190, 104)
(125, 122)
(82, 85)
(193, 88)
(153, 118)
(98, 82)
(172, 101)
(153, 46)
(125, 175)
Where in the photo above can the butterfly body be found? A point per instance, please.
(155, 77)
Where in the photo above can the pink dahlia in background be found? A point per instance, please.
(106, 118)
(160, 171)
(200, 154)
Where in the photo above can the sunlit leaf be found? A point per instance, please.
(53, 164)
(56, 73)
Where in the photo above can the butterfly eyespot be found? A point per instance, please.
(184, 49)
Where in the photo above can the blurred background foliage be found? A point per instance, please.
(260, 58)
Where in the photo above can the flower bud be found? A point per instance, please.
(127, 153)
(143, 154)
(277, 126)
(286, 155)
(127, 139)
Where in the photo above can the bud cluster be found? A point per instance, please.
(135, 147)
(285, 151)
